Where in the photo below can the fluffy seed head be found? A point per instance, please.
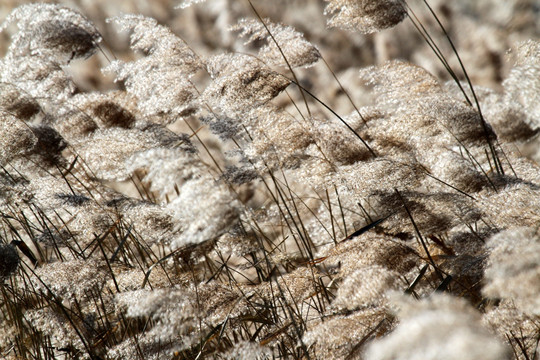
(366, 16)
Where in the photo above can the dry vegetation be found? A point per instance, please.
(234, 180)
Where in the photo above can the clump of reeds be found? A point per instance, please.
(216, 205)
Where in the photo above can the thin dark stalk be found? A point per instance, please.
(331, 217)
(339, 118)
(420, 237)
(344, 91)
(282, 54)
(494, 155)
(341, 210)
